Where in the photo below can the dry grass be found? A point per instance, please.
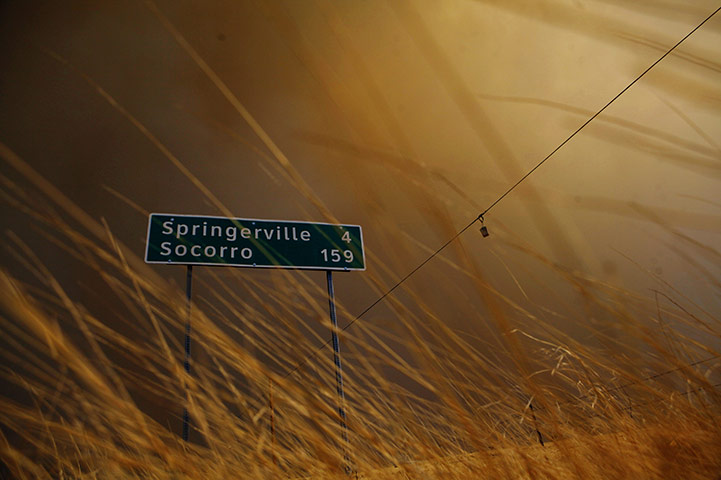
(613, 383)
(639, 399)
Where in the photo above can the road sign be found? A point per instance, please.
(244, 242)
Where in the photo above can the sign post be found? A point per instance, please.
(189, 240)
(338, 368)
(186, 363)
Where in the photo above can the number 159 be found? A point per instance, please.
(334, 255)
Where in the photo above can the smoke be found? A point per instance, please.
(396, 116)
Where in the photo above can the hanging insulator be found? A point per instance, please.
(484, 230)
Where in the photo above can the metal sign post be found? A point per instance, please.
(176, 239)
(338, 368)
(186, 363)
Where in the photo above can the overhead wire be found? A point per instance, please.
(506, 193)
(528, 174)
(386, 294)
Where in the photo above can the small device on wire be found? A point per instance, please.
(484, 230)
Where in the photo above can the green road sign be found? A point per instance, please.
(244, 242)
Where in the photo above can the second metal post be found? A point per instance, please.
(338, 368)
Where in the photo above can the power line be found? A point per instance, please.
(597, 113)
(661, 374)
(524, 177)
(683, 394)
(388, 292)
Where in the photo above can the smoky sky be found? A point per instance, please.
(408, 118)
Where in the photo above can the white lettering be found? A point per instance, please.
(305, 235)
(231, 233)
(181, 230)
(245, 232)
(334, 255)
(222, 251)
(168, 227)
(192, 249)
(165, 249)
(181, 250)
(232, 251)
(208, 251)
(246, 253)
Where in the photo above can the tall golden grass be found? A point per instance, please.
(95, 390)
(594, 382)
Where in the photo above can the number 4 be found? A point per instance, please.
(346, 237)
